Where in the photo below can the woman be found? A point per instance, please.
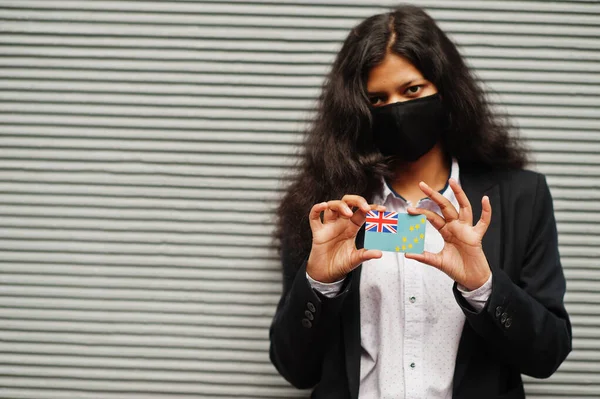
(402, 126)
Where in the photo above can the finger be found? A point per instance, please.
(379, 208)
(358, 201)
(486, 216)
(428, 258)
(448, 210)
(341, 208)
(436, 220)
(314, 217)
(363, 255)
(359, 217)
(330, 216)
(465, 213)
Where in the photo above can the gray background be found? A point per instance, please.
(142, 149)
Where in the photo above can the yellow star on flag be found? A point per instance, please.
(411, 234)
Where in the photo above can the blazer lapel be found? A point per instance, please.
(475, 187)
(351, 325)
(351, 331)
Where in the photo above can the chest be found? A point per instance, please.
(395, 291)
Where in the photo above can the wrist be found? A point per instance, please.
(479, 281)
(315, 272)
(320, 277)
(321, 284)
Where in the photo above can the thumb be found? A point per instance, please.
(363, 255)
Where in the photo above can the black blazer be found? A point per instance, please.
(523, 329)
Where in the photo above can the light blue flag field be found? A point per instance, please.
(395, 232)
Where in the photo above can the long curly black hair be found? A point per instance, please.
(338, 156)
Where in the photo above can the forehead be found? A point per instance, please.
(394, 70)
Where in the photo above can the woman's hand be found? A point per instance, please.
(334, 253)
(462, 257)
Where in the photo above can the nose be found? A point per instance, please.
(396, 98)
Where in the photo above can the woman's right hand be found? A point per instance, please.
(334, 253)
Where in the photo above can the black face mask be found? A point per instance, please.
(408, 130)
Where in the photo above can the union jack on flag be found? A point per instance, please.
(382, 222)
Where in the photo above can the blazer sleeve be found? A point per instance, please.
(525, 322)
(299, 328)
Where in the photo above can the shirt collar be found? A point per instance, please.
(388, 191)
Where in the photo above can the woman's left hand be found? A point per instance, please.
(462, 257)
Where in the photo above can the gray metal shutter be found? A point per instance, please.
(142, 150)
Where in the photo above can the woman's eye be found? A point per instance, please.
(413, 90)
(375, 100)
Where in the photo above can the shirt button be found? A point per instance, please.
(310, 306)
(412, 299)
(306, 323)
(412, 365)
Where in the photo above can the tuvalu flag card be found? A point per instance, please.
(395, 232)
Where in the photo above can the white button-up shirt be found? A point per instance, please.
(410, 322)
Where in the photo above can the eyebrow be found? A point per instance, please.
(405, 84)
